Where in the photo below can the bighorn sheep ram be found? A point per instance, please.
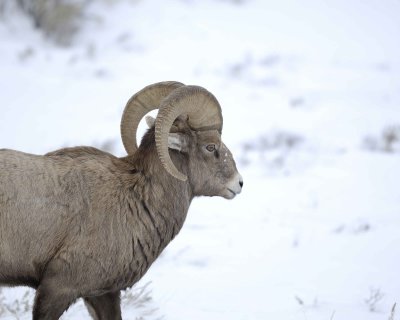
(80, 222)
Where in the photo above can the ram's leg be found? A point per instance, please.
(105, 307)
(55, 293)
(51, 301)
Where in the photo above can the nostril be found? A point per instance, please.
(241, 183)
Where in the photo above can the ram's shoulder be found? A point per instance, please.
(89, 159)
(78, 152)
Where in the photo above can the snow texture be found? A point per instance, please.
(309, 90)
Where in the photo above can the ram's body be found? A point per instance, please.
(69, 204)
(80, 222)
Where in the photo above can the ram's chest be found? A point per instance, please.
(136, 235)
(142, 250)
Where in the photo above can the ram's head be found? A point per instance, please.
(188, 124)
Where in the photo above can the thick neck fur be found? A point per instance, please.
(164, 200)
(147, 164)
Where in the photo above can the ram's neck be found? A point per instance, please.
(169, 199)
(162, 201)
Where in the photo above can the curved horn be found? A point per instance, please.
(203, 111)
(142, 102)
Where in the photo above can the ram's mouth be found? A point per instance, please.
(231, 193)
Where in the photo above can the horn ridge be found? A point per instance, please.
(202, 109)
(138, 105)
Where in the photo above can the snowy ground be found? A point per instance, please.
(307, 90)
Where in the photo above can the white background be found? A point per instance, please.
(302, 84)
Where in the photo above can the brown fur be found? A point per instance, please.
(80, 222)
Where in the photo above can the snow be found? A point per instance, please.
(314, 233)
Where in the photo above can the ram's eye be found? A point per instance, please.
(210, 147)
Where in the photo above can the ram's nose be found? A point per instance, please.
(235, 185)
(241, 181)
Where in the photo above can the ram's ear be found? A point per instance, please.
(150, 121)
(178, 141)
